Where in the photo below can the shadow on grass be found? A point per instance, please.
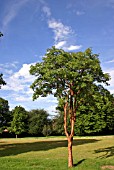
(18, 148)
(79, 162)
(107, 152)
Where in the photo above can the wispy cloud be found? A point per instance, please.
(8, 68)
(74, 47)
(12, 11)
(60, 44)
(80, 13)
(111, 61)
(60, 31)
(63, 35)
(46, 10)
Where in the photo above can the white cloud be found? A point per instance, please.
(74, 47)
(18, 81)
(19, 93)
(111, 73)
(64, 45)
(24, 73)
(52, 109)
(60, 44)
(22, 98)
(63, 35)
(60, 31)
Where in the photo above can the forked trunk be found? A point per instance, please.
(70, 156)
(69, 136)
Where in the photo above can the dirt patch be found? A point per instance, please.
(108, 167)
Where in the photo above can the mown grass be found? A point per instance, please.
(90, 153)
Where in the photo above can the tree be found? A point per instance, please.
(19, 121)
(37, 120)
(108, 109)
(4, 114)
(70, 77)
(91, 115)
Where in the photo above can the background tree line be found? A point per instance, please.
(21, 122)
(93, 118)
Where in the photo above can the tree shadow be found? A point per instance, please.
(18, 148)
(107, 152)
(78, 163)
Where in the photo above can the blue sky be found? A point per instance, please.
(32, 26)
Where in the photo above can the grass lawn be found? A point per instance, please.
(90, 153)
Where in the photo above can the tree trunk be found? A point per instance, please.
(69, 137)
(16, 136)
(70, 156)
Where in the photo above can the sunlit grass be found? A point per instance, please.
(90, 153)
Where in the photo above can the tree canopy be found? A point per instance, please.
(38, 118)
(19, 121)
(60, 70)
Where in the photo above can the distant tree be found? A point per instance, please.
(19, 121)
(108, 109)
(70, 77)
(4, 114)
(38, 119)
(96, 117)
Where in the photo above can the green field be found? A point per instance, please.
(90, 153)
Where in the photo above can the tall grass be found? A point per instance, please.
(90, 153)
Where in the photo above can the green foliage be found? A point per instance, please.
(4, 114)
(2, 82)
(94, 116)
(19, 122)
(1, 34)
(38, 119)
(60, 68)
(58, 121)
(47, 129)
